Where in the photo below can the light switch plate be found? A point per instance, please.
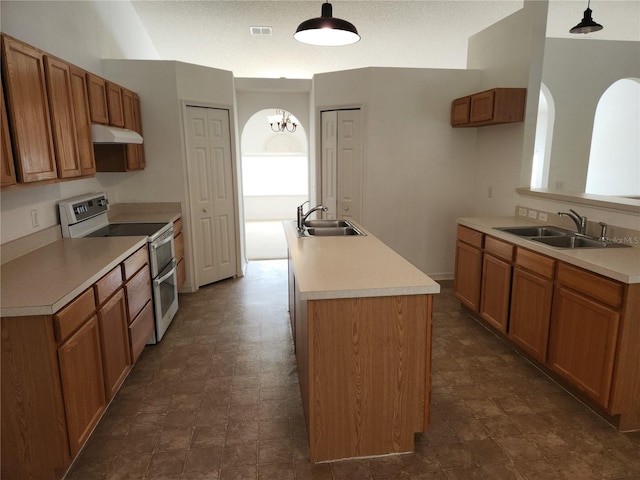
(533, 214)
(543, 217)
(522, 211)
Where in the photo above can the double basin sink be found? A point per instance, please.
(329, 228)
(559, 237)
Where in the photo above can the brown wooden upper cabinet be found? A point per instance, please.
(105, 101)
(491, 107)
(8, 170)
(114, 104)
(97, 89)
(63, 122)
(24, 76)
(83, 120)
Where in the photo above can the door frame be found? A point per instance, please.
(315, 186)
(186, 203)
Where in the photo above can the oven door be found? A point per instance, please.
(165, 299)
(161, 252)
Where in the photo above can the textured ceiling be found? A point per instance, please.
(418, 33)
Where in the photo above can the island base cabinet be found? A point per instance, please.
(367, 383)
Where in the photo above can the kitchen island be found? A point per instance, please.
(361, 322)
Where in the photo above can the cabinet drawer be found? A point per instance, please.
(140, 330)
(74, 314)
(107, 285)
(138, 292)
(590, 284)
(179, 246)
(470, 236)
(135, 262)
(498, 248)
(177, 227)
(535, 262)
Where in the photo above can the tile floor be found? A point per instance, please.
(218, 399)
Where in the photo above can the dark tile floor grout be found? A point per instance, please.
(218, 398)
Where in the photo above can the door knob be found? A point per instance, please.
(346, 208)
(204, 210)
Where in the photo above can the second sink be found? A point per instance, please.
(574, 241)
(535, 231)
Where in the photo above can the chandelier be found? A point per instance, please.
(282, 121)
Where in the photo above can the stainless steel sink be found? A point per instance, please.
(575, 241)
(332, 231)
(329, 228)
(535, 231)
(327, 223)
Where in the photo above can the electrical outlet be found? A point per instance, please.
(542, 217)
(34, 219)
(522, 211)
(533, 214)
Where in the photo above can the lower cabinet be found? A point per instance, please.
(580, 326)
(468, 268)
(583, 343)
(531, 294)
(82, 385)
(496, 283)
(585, 323)
(114, 338)
(60, 371)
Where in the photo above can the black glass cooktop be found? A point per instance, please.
(128, 230)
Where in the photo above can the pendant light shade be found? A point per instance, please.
(327, 30)
(587, 25)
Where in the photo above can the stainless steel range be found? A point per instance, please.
(86, 216)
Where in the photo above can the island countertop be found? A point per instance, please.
(352, 266)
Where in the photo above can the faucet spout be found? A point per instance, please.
(580, 221)
(301, 217)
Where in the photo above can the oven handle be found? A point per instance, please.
(157, 245)
(160, 279)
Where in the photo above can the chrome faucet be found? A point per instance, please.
(580, 221)
(301, 217)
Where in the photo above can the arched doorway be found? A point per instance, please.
(275, 179)
(614, 168)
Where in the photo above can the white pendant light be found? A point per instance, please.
(327, 30)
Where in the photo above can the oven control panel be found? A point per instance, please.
(77, 209)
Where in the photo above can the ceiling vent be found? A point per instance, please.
(260, 30)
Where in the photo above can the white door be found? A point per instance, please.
(342, 163)
(213, 215)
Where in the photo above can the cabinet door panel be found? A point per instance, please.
(7, 160)
(468, 275)
(28, 109)
(97, 90)
(460, 111)
(530, 312)
(114, 105)
(496, 290)
(114, 336)
(133, 162)
(137, 116)
(83, 120)
(481, 109)
(63, 121)
(82, 385)
(583, 343)
(138, 291)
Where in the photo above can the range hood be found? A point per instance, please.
(107, 134)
